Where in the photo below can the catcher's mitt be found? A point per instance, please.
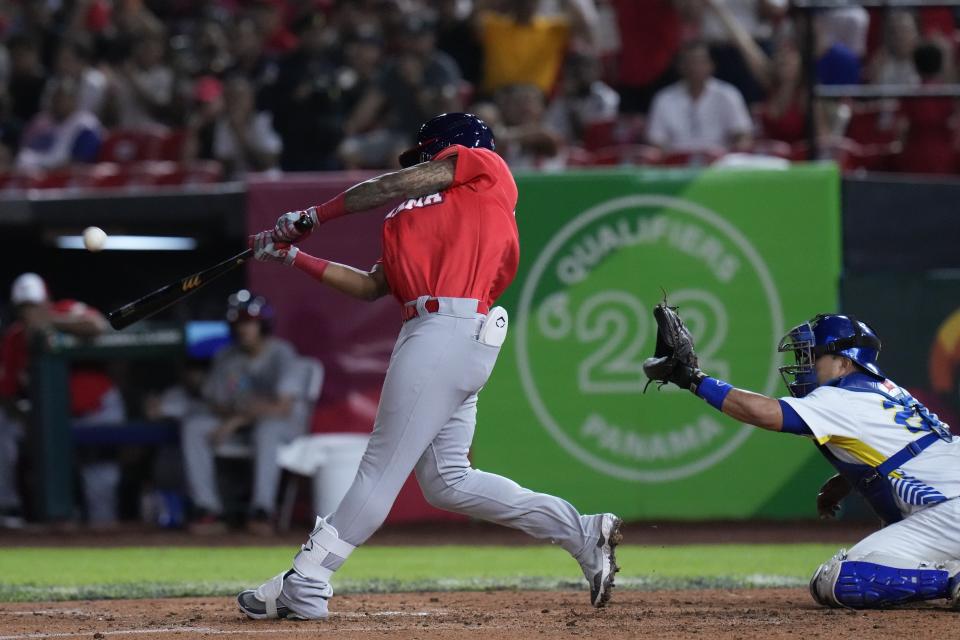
(674, 359)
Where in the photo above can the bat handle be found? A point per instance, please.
(305, 223)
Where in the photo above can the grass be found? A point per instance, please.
(130, 572)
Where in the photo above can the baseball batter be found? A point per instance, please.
(883, 443)
(450, 248)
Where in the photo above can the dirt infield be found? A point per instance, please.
(759, 613)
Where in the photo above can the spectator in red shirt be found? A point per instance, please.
(93, 398)
(650, 36)
(928, 124)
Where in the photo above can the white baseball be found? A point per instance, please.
(94, 238)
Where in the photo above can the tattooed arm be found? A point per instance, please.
(412, 182)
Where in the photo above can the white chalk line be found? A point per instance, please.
(288, 629)
(333, 614)
(46, 612)
(210, 630)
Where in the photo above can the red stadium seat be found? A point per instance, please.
(168, 145)
(698, 158)
(799, 151)
(632, 128)
(165, 173)
(106, 175)
(155, 172)
(125, 146)
(628, 154)
(776, 148)
(608, 156)
(598, 135)
(203, 172)
(872, 127)
(853, 156)
(579, 157)
(59, 179)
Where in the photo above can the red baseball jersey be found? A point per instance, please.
(87, 384)
(458, 243)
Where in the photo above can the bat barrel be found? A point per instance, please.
(174, 292)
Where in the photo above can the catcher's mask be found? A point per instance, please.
(827, 334)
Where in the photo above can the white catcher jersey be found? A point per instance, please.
(864, 427)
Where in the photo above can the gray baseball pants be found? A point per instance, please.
(425, 423)
(200, 464)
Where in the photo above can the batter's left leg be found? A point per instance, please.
(449, 482)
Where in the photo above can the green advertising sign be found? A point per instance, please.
(744, 254)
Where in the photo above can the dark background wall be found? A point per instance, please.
(902, 275)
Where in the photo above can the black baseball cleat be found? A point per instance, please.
(601, 565)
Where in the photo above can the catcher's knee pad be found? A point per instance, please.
(323, 541)
(866, 585)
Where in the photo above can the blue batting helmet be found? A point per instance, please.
(441, 131)
(828, 334)
(243, 305)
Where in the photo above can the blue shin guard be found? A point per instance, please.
(867, 585)
(864, 585)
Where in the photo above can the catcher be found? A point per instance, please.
(883, 443)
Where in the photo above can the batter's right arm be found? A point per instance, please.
(365, 285)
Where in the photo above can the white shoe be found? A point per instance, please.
(600, 566)
(266, 603)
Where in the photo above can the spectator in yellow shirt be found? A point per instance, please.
(522, 46)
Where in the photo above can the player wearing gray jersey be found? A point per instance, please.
(252, 385)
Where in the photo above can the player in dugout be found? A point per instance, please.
(93, 397)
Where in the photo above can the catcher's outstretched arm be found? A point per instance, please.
(675, 361)
(751, 408)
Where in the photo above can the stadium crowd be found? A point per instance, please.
(131, 92)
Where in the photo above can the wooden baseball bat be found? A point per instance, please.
(172, 293)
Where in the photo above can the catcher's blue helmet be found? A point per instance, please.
(828, 334)
(441, 131)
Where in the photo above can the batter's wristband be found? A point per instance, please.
(331, 209)
(714, 391)
(311, 265)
